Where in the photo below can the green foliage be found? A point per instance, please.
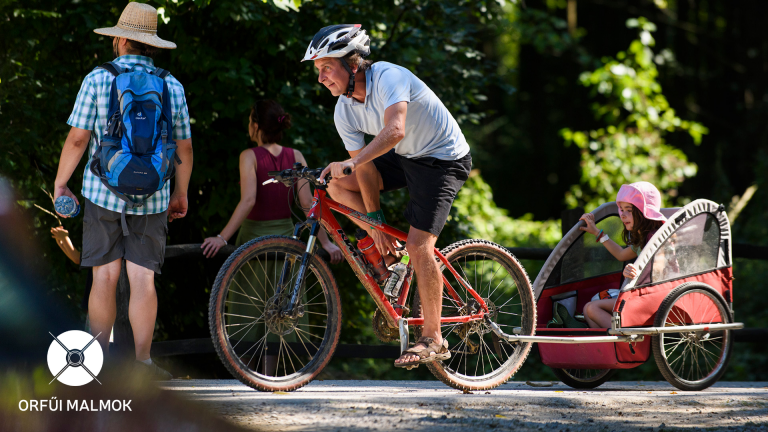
(475, 213)
(632, 147)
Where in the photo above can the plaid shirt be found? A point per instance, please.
(90, 113)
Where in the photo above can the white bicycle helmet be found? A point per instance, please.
(337, 41)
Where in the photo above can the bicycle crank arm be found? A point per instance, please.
(403, 324)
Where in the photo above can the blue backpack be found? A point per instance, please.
(136, 153)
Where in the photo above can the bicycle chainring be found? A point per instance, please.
(382, 330)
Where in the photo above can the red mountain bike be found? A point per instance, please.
(275, 312)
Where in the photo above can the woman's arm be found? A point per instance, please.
(620, 253)
(211, 245)
(62, 239)
(305, 197)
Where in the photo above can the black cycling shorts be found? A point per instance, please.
(432, 185)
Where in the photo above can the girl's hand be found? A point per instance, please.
(211, 246)
(589, 219)
(59, 233)
(334, 252)
(630, 271)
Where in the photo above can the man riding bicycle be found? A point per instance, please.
(417, 145)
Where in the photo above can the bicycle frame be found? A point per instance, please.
(320, 211)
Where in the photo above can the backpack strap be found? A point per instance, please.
(112, 68)
(160, 72)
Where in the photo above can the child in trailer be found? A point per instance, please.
(640, 211)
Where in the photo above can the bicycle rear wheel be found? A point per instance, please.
(479, 359)
(258, 346)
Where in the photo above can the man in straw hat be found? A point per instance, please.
(134, 41)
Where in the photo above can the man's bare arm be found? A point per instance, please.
(71, 153)
(177, 207)
(387, 139)
(393, 133)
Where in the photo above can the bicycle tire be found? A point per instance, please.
(694, 344)
(583, 378)
(326, 302)
(449, 371)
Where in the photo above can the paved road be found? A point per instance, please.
(430, 405)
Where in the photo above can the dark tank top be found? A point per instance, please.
(273, 201)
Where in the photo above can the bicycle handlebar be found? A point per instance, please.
(290, 176)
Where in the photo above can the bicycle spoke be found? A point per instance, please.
(298, 359)
(311, 325)
(242, 294)
(244, 328)
(261, 341)
(298, 335)
(491, 281)
(263, 286)
(309, 334)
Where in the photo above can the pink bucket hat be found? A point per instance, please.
(645, 197)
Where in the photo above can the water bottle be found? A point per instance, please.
(395, 282)
(66, 206)
(368, 248)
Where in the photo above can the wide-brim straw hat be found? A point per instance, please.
(138, 22)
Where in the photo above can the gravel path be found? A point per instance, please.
(428, 405)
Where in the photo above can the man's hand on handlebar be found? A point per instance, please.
(338, 169)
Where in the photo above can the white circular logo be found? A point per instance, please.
(75, 358)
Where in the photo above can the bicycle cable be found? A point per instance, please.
(297, 200)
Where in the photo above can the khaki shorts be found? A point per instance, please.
(103, 240)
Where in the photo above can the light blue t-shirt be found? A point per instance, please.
(430, 129)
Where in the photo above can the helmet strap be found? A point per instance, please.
(351, 86)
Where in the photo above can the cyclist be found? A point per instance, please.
(417, 145)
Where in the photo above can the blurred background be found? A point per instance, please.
(562, 101)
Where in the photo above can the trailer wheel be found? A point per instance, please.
(692, 360)
(583, 378)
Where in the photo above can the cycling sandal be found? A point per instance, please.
(433, 352)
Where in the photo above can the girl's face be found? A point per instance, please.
(625, 212)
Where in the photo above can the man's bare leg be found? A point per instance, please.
(142, 309)
(421, 248)
(360, 191)
(102, 303)
(347, 190)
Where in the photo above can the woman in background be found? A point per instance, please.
(266, 209)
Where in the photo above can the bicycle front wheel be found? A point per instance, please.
(479, 359)
(259, 346)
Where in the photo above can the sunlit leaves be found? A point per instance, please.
(630, 100)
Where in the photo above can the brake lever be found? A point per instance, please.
(269, 181)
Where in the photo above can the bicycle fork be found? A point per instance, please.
(293, 309)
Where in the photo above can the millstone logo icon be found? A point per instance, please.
(75, 358)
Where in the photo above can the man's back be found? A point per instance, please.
(90, 113)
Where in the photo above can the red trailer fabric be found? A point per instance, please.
(643, 303)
